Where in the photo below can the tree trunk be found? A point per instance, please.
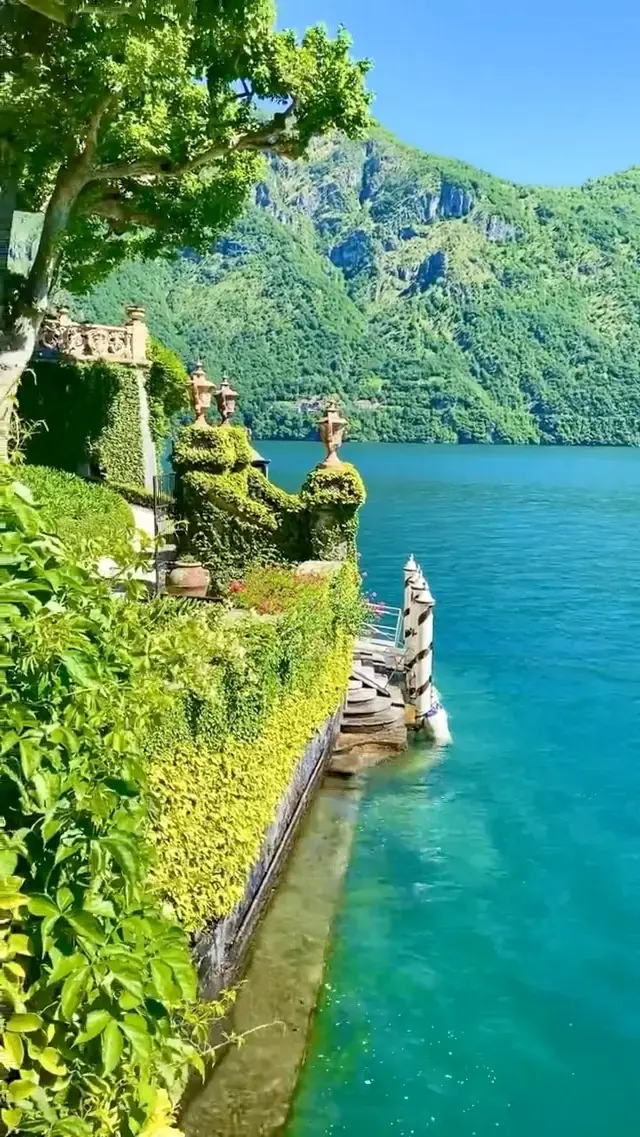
(17, 345)
(21, 321)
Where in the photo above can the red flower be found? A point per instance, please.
(237, 586)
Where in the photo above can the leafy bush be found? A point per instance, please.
(90, 518)
(94, 976)
(272, 589)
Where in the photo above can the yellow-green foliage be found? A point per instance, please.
(212, 448)
(215, 805)
(339, 486)
(255, 690)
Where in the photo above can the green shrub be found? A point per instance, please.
(91, 519)
(215, 449)
(94, 978)
(339, 486)
(272, 589)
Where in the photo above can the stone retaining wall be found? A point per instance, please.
(220, 949)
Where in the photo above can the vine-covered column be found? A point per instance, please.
(333, 494)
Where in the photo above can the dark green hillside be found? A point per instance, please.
(442, 303)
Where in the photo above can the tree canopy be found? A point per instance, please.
(135, 125)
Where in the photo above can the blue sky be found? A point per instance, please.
(534, 90)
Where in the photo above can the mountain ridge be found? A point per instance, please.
(440, 302)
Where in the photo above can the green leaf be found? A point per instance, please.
(41, 1099)
(78, 668)
(111, 1047)
(14, 1048)
(95, 1024)
(124, 852)
(185, 974)
(8, 862)
(20, 1089)
(64, 898)
(52, 1062)
(135, 1028)
(197, 1061)
(51, 826)
(99, 907)
(11, 1118)
(23, 492)
(71, 1127)
(128, 1001)
(29, 757)
(84, 924)
(65, 965)
(24, 1024)
(128, 977)
(10, 901)
(163, 982)
(73, 990)
(20, 945)
(42, 906)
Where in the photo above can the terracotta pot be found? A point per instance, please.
(188, 578)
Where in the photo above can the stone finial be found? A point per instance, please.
(201, 392)
(332, 427)
(226, 399)
(63, 315)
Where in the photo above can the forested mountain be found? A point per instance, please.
(440, 302)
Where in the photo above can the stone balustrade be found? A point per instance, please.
(88, 343)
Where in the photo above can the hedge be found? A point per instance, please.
(89, 413)
(234, 517)
(91, 519)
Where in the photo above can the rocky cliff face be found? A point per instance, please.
(438, 301)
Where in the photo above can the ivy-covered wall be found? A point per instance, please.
(233, 518)
(255, 692)
(89, 415)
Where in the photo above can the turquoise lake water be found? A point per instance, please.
(485, 971)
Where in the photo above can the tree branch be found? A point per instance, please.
(70, 182)
(117, 210)
(65, 14)
(52, 9)
(268, 137)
